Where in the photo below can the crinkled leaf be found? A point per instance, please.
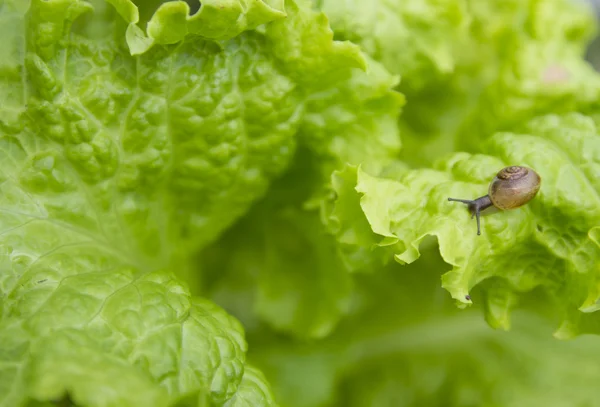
(350, 108)
(418, 39)
(305, 48)
(121, 167)
(351, 115)
(549, 243)
(303, 284)
(252, 391)
(405, 345)
(345, 218)
(355, 122)
(472, 67)
(176, 144)
(215, 19)
(79, 321)
(540, 66)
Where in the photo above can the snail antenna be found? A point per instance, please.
(475, 206)
(465, 201)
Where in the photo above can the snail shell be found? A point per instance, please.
(513, 187)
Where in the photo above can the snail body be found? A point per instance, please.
(511, 188)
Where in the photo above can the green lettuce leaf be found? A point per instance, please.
(82, 327)
(404, 344)
(121, 168)
(200, 127)
(350, 109)
(549, 244)
(250, 153)
(252, 391)
(174, 144)
(215, 19)
(545, 71)
(356, 122)
(115, 170)
(280, 258)
(415, 38)
(471, 68)
(280, 266)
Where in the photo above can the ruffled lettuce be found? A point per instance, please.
(471, 68)
(249, 152)
(405, 344)
(549, 244)
(124, 152)
(216, 20)
(283, 258)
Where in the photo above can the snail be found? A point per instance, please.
(511, 188)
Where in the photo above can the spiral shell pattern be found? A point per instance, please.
(512, 172)
(513, 187)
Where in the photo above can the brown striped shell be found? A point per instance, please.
(513, 187)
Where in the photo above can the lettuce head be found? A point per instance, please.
(243, 203)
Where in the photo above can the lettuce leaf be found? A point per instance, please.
(404, 344)
(252, 391)
(125, 153)
(355, 122)
(471, 68)
(250, 153)
(280, 257)
(540, 67)
(215, 19)
(280, 267)
(140, 333)
(96, 169)
(418, 39)
(551, 243)
(283, 259)
(145, 134)
(116, 169)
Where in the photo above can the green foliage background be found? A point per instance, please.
(244, 204)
